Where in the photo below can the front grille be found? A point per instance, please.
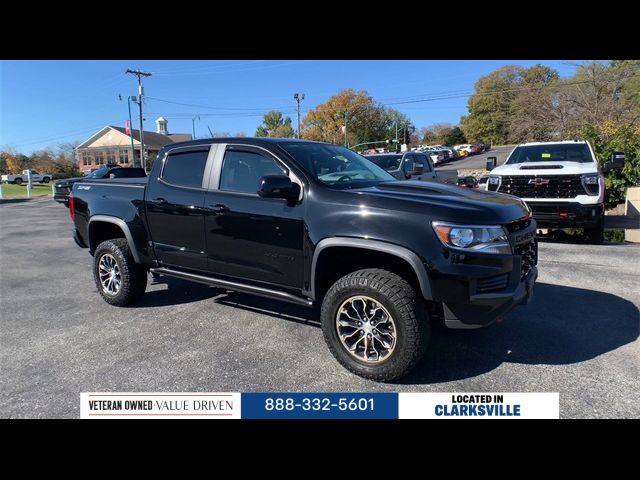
(492, 284)
(518, 225)
(528, 255)
(558, 186)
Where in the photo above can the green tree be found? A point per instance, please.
(275, 125)
(531, 112)
(455, 136)
(365, 120)
(394, 117)
(490, 106)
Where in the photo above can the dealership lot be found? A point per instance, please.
(59, 338)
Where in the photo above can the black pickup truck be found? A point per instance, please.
(314, 223)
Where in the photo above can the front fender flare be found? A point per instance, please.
(404, 253)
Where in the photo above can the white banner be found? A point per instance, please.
(160, 405)
(479, 405)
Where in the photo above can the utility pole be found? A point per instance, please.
(133, 150)
(298, 97)
(138, 73)
(405, 133)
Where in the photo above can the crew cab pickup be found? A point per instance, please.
(24, 177)
(313, 223)
(414, 166)
(561, 182)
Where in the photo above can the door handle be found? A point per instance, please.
(219, 208)
(159, 201)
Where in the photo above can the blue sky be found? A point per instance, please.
(43, 103)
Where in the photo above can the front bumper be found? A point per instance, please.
(476, 289)
(566, 214)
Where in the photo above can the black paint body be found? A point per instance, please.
(273, 243)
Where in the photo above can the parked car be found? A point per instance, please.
(313, 223)
(23, 177)
(61, 188)
(562, 183)
(411, 165)
(469, 182)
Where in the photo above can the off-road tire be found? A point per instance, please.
(133, 276)
(404, 305)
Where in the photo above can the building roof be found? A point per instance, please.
(151, 139)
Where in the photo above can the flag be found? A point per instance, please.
(127, 127)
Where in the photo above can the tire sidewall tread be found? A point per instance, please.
(408, 313)
(134, 276)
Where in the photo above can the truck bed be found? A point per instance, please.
(116, 181)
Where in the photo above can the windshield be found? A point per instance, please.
(554, 152)
(388, 162)
(336, 166)
(99, 173)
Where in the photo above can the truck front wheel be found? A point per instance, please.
(375, 324)
(595, 235)
(18, 181)
(119, 279)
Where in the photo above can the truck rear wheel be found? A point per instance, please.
(119, 279)
(375, 324)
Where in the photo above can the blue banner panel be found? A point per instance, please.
(319, 405)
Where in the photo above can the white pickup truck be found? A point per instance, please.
(23, 178)
(562, 183)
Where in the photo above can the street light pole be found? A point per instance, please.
(298, 97)
(193, 125)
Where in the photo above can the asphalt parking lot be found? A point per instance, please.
(58, 338)
(478, 161)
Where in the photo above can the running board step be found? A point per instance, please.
(235, 286)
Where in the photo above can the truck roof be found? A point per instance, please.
(552, 143)
(248, 140)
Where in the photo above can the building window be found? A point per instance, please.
(86, 160)
(124, 154)
(111, 156)
(100, 158)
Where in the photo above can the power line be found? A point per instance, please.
(214, 108)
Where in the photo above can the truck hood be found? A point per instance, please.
(443, 202)
(545, 168)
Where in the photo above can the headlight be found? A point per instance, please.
(473, 238)
(591, 183)
(493, 183)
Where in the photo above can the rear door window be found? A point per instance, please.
(185, 169)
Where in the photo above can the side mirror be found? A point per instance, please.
(278, 186)
(112, 175)
(491, 163)
(616, 162)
